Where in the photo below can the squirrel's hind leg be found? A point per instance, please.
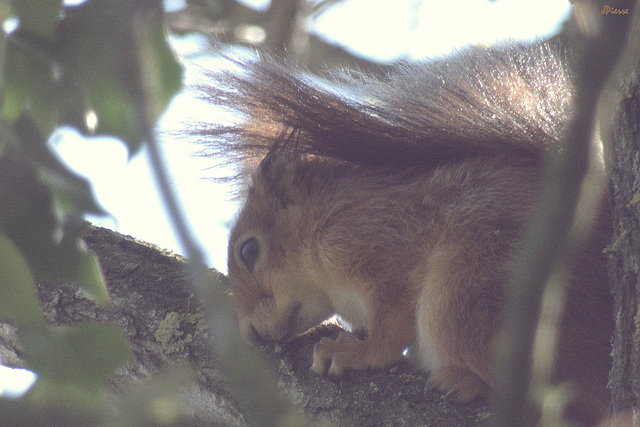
(457, 316)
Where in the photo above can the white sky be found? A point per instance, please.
(385, 29)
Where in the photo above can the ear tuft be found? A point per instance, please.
(276, 175)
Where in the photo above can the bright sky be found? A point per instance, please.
(385, 30)
(376, 28)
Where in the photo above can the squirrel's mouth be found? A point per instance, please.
(283, 328)
(290, 323)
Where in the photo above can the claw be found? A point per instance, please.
(457, 383)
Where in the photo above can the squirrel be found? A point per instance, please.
(398, 204)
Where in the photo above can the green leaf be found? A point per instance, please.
(18, 297)
(79, 266)
(9, 144)
(107, 60)
(83, 355)
(28, 84)
(72, 193)
(67, 405)
(53, 250)
(37, 16)
(14, 86)
(26, 212)
(117, 53)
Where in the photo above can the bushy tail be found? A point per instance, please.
(512, 100)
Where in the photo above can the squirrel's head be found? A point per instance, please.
(276, 294)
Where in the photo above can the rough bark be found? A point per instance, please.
(153, 303)
(624, 252)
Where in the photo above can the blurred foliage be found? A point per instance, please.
(104, 68)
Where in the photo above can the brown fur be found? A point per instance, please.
(400, 208)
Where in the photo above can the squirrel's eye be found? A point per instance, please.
(249, 251)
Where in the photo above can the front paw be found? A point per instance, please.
(334, 357)
(458, 383)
